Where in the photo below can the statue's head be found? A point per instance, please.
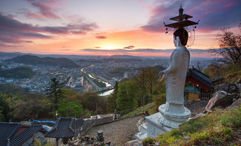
(180, 37)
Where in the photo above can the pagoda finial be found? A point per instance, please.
(180, 3)
(181, 11)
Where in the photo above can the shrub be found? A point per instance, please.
(232, 119)
(70, 109)
(148, 141)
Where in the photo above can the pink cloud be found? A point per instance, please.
(45, 8)
(213, 14)
(14, 31)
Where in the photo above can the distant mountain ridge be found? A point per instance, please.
(7, 55)
(48, 61)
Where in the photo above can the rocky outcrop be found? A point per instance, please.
(226, 95)
(218, 96)
(228, 87)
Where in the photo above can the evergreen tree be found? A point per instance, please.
(55, 93)
(4, 108)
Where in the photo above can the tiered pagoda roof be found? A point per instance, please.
(182, 20)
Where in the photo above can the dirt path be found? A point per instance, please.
(118, 132)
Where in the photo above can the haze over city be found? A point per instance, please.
(106, 27)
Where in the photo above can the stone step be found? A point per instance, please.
(141, 136)
(144, 126)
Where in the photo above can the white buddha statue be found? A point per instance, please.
(175, 75)
(172, 113)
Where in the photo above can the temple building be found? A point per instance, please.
(198, 86)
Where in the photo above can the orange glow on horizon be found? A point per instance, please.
(139, 39)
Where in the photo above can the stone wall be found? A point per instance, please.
(95, 121)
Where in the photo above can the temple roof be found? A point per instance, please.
(181, 24)
(24, 135)
(64, 127)
(200, 77)
(15, 134)
(180, 18)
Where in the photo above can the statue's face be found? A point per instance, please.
(177, 41)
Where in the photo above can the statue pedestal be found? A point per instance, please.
(170, 116)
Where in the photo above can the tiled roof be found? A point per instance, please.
(24, 135)
(12, 134)
(6, 131)
(198, 75)
(77, 124)
(65, 127)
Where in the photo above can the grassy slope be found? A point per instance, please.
(149, 107)
(230, 72)
(222, 127)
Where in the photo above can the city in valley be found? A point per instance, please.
(81, 73)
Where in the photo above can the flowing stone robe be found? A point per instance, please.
(175, 74)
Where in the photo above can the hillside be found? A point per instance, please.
(48, 61)
(221, 127)
(7, 55)
(17, 73)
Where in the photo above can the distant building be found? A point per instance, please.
(198, 85)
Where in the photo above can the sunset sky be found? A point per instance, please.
(110, 27)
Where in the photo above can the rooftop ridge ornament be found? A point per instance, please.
(182, 20)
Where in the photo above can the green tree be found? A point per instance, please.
(159, 99)
(72, 95)
(2, 119)
(159, 88)
(146, 81)
(55, 93)
(4, 108)
(70, 109)
(111, 100)
(127, 95)
(30, 107)
(94, 103)
(151, 78)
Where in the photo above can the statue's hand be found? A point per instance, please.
(161, 76)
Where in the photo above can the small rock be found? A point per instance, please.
(157, 144)
(187, 138)
(239, 81)
(235, 103)
(197, 116)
